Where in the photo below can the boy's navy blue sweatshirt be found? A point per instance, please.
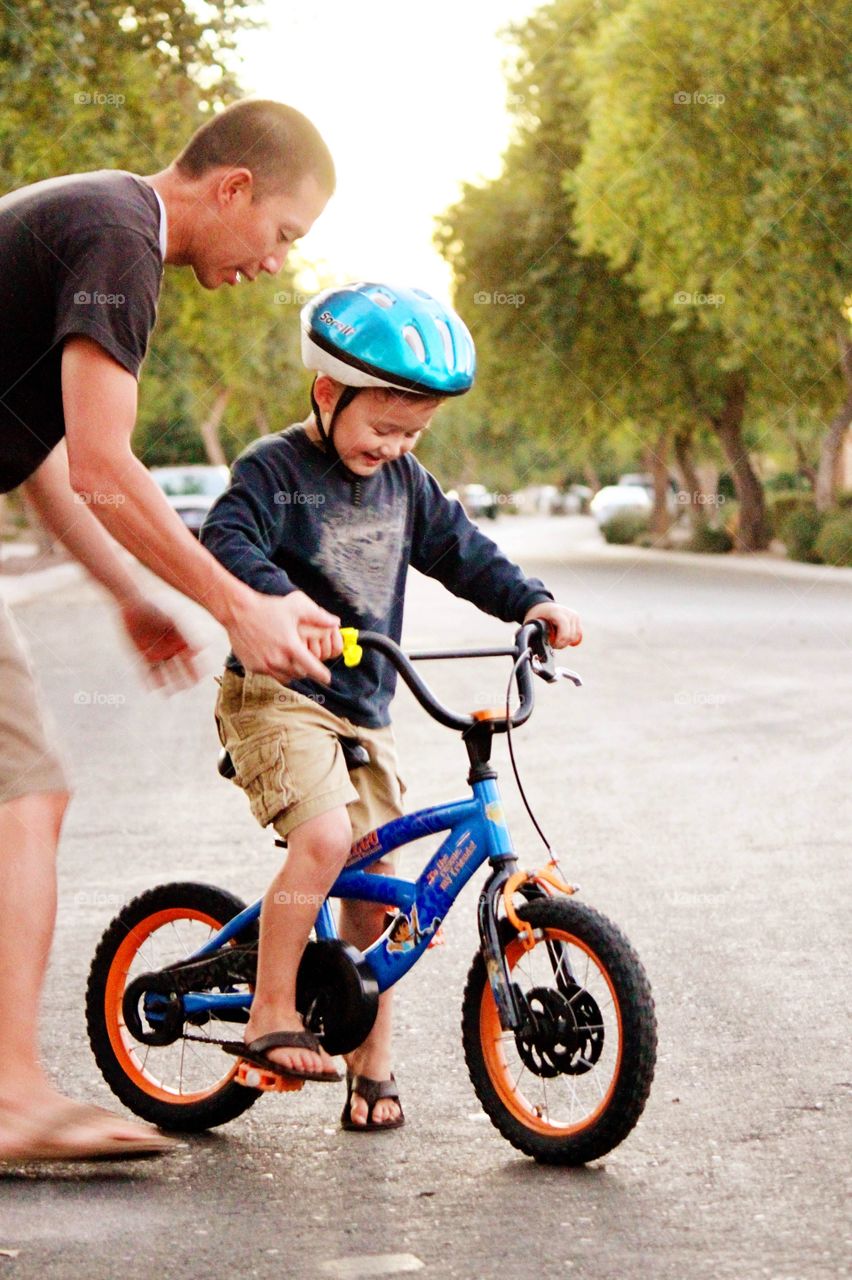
(292, 520)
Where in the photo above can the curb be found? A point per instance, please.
(770, 566)
(19, 588)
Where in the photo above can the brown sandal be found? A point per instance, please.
(371, 1091)
(47, 1140)
(256, 1052)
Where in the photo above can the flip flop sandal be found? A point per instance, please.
(256, 1052)
(43, 1141)
(371, 1091)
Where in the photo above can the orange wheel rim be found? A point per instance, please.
(493, 1040)
(114, 995)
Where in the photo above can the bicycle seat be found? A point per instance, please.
(354, 754)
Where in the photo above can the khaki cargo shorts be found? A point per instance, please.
(29, 758)
(288, 759)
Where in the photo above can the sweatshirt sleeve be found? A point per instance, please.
(449, 547)
(245, 525)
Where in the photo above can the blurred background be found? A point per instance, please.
(641, 210)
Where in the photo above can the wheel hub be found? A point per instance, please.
(567, 1035)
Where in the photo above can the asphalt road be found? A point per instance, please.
(697, 787)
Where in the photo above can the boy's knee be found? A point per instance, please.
(326, 839)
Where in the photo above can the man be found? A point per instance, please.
(81, 261)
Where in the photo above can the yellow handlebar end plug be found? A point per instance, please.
(352, 651)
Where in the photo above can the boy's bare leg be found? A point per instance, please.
(29, 834)
(317, 849)
(361, 923)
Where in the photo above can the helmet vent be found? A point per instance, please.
(382, 300)
(412, 337)
(446, 338)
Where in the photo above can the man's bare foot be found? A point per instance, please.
(56, 1128)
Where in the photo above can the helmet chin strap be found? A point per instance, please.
(347, 395)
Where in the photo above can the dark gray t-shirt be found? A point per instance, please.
(78, 255)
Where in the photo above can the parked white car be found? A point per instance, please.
(615, 498)
(191, 490)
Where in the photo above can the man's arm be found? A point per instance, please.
(99, 399)
(152, 632)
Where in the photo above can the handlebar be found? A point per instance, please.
(531, 652)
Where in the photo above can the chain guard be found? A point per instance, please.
(336, 994)
(564, 1034)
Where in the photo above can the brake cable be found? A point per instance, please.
(526, 656)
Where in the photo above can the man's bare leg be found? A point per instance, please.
(29, 834)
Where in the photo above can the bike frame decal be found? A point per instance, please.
(477, 832)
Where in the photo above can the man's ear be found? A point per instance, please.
(235, 184)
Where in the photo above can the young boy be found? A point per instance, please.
(338, 508)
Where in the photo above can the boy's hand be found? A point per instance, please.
(280, 636)
(564, 623)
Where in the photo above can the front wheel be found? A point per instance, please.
(179, 1083)
(572, 1084)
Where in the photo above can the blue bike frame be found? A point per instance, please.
(477, 832)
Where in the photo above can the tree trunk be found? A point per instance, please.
(659, 522)
(692, 490)
(209, 430)
(829, 457)
(753, 533)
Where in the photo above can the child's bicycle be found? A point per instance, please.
(558, 1020)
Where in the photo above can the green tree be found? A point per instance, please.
(717, 166)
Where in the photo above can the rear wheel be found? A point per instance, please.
(183, 1085)
(574, 1084)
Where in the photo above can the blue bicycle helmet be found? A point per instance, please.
(374, 335)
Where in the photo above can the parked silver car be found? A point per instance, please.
(192, 490)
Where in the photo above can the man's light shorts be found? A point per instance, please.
(29, 759)
(288, 759)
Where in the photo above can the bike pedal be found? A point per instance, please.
(254, 1077)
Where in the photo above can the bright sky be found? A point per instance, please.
(411, 100)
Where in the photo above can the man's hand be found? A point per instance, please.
(287, 637)
(169, 656)
(564, 623)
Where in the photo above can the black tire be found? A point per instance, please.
(606, 1050)
(135, 1071)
